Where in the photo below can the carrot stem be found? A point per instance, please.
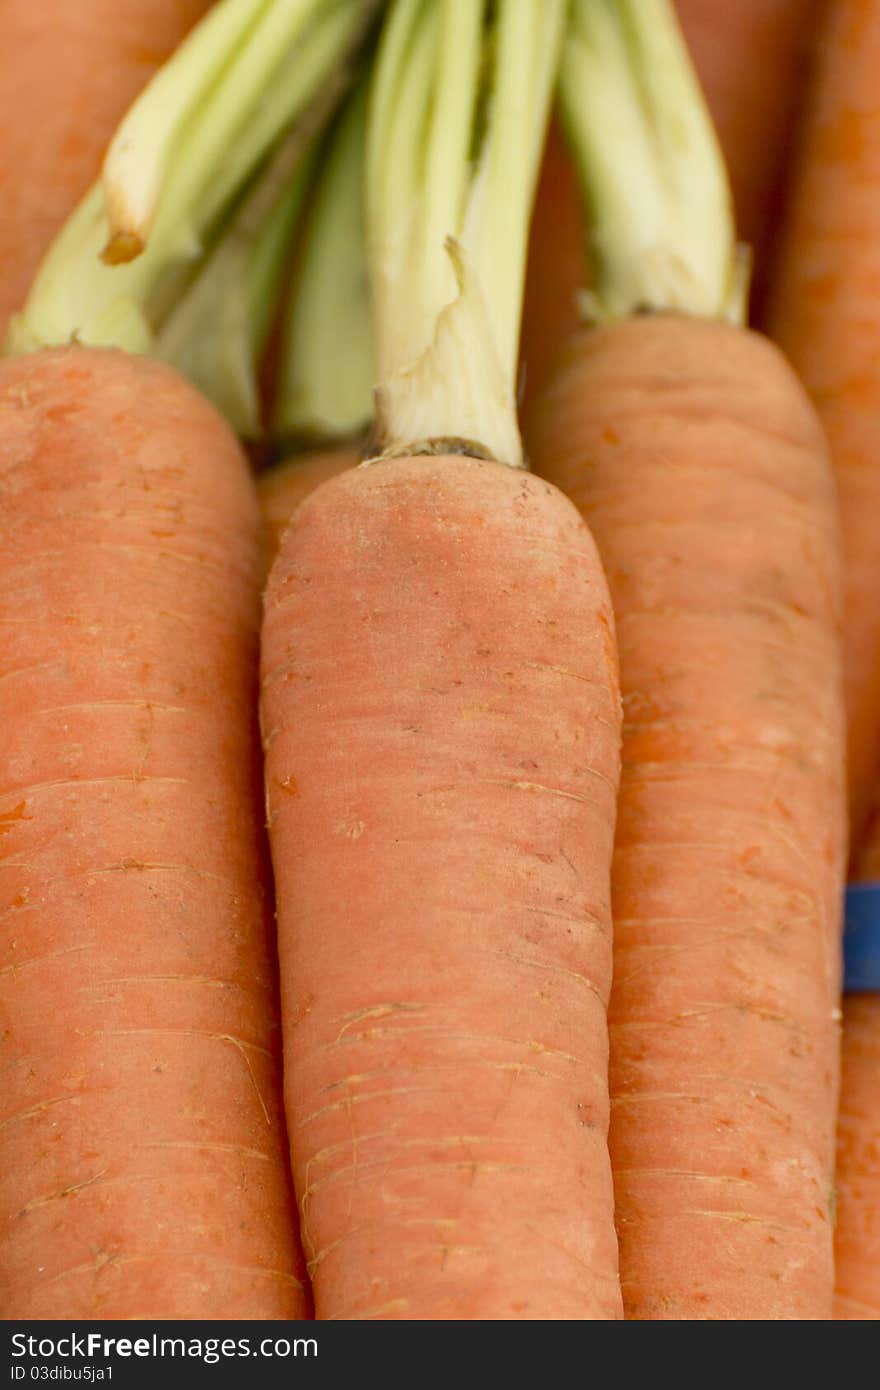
(457, 117)
(325, 392)
(661, 233)
(189, 145)
(216, 334)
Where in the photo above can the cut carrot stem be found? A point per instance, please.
(448, 226)
(696, 459)
(857, 1234)
(661, 227)
(733, 47)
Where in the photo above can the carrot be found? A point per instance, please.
(823, 314)
(142, 1165)
(857, 1235)
(734, 47)
(555, 269)
(142, 1146)
(440, 715)
(283, 489)
(867, 864)
(751, 59)
(177, 168)
(75, 67)
(695, 457)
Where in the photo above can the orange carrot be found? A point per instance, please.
(728, 858)
(695, 457)
(441, 852)
(68, 70)
(282, 490)
(867, 861)
(824, 314)
(857, 1237)
(142, 1164)
(440, 715)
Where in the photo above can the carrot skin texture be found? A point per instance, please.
(142, 1151)
(282, 489)
(441, 726)
(824, 314)
(697, 462)
(69, 69)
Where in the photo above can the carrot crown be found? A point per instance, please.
(458, 111)
(325, 382)
(661, 229)
(251, 70)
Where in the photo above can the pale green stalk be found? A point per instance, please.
(325, 384)
(499, 209)
(306, 67)
(457, 118)
(142, 150)
(252, 69)
(216, 334)
(661, 219)
(423, 109)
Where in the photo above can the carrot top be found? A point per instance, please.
(217, 332)
(327, 369)
(659, 207)
(192, 142)
(458, 109)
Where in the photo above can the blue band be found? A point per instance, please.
(861, 938)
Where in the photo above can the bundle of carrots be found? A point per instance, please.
(461, 930)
